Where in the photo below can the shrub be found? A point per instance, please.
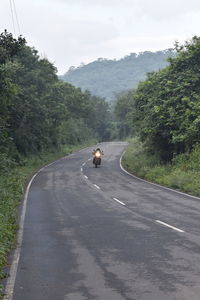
(182, 174)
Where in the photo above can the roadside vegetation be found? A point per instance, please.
(164, 114)
(182, 173)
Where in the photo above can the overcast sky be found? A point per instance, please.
(70, 32)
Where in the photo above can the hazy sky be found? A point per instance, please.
(69, 32)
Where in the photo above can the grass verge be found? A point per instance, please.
(182, 174)
(12, 187)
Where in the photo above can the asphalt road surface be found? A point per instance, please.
(101, 234)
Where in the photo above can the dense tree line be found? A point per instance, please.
(105, 77)
(37, 110)
(165, 108)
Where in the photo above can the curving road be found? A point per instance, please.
(103, 234)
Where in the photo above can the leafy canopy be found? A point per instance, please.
(165, 108)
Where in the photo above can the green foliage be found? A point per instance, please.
(74, 131)
(9, 48)
(122, 110)
(105, 78)
(10, 194)
(182, 174)
(165, 109)
(137, 159)
(37, 111)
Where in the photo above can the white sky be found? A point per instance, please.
(69, 32)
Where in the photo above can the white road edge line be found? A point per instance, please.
(122, 203)
(170, 226)
(85, 176)
(97, 186)
(13, 269)
(81, 169)
(155, 184)
(83, 164)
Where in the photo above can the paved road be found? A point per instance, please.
(98, 234)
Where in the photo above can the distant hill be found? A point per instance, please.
(105, 77)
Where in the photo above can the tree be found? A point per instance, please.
(166, 106)
(38, 111)
(9, 48)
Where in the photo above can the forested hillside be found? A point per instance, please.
(164, 112)
(105, 77)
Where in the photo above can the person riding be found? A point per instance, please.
(97, 153)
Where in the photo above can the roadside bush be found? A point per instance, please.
(182, 174)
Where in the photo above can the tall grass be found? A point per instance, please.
(12, 186)
(183, 173)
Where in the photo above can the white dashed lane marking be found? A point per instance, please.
(120, 202)
(170, 226)
(97, 186)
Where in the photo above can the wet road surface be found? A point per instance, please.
(102, 234)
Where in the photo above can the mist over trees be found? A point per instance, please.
(37, 110)
(105, 78)
(164, 111)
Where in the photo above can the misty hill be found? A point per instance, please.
(105, 77)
